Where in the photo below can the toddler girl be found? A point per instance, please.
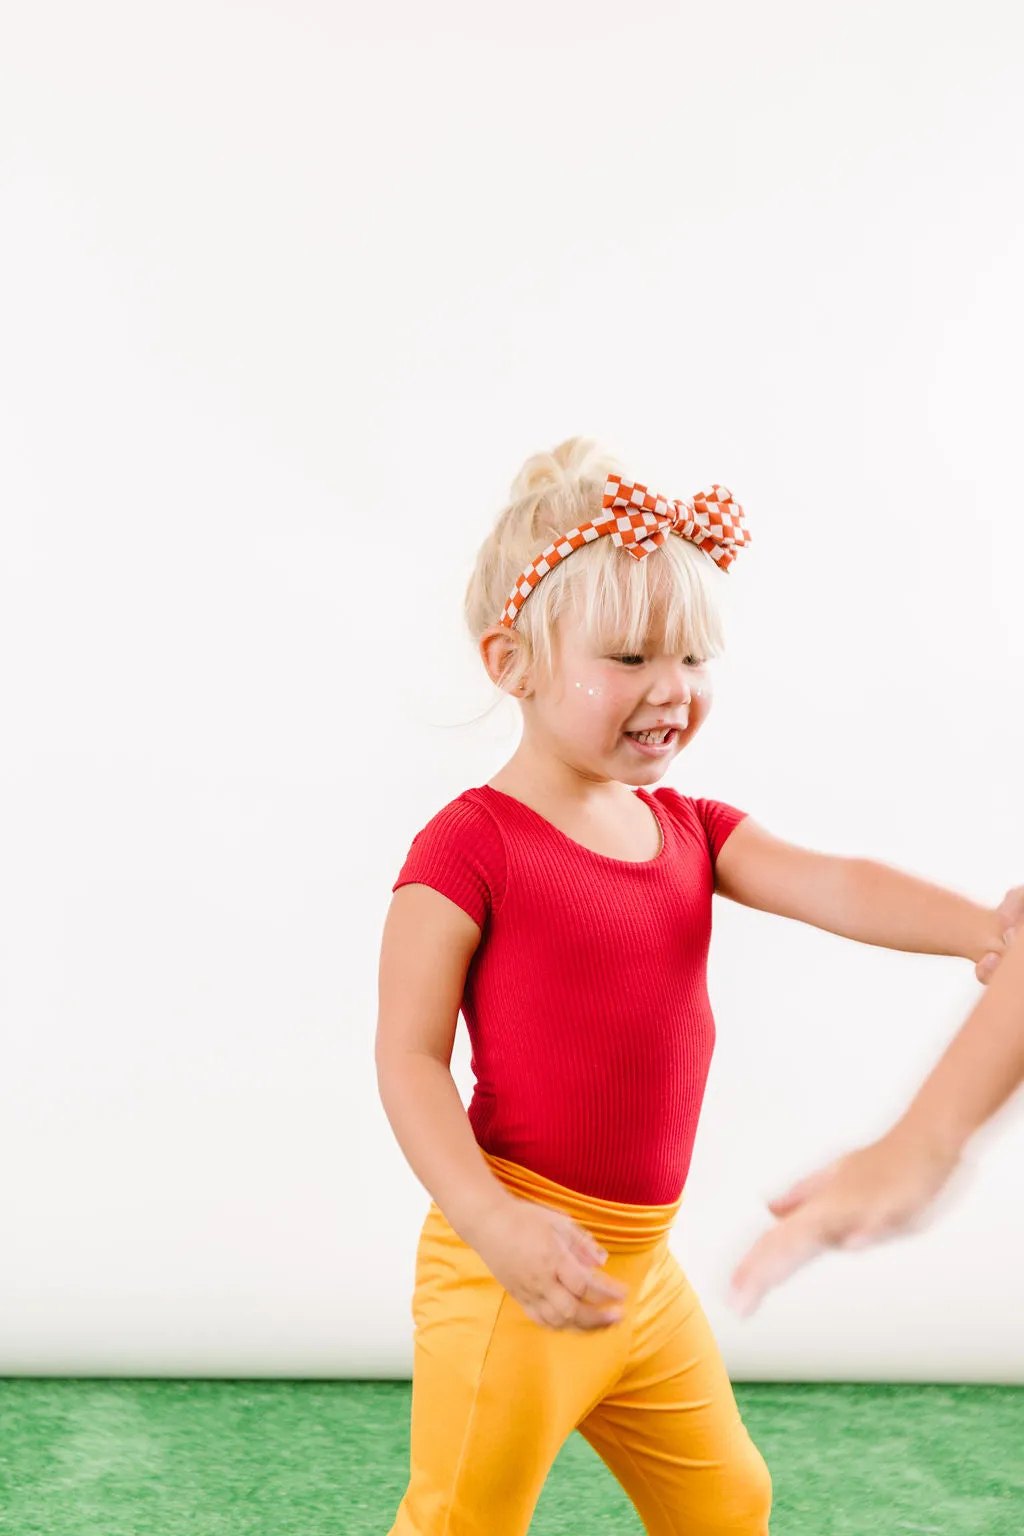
(565, 908)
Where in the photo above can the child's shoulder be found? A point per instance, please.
(713, 819)
(466, 816)
(686, 809)
(674, 799)
(464, 830)
(459, 852)
(682, 807)
(685, 805)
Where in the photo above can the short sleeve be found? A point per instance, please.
(720, 821)
(460, 853)
(713, 820)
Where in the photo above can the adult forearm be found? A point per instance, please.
(981, 1068)
(432, 1128)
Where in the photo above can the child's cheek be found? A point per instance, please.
(701, 700)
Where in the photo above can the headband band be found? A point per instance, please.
(638, 520)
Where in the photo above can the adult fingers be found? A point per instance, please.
(775, 1256)
(786, 1204)
(987, 967)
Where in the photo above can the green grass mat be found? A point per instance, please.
(279, 1458)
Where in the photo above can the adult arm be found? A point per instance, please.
(879, 1190)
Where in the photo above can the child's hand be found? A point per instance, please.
(550, 1265)
(1009, 913)
(868, 1195)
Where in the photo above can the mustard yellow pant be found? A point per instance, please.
(495, 1395)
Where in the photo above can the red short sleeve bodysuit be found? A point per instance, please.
(586, 1000)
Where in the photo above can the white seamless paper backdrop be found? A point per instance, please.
(286, 296)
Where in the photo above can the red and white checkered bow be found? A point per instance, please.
(638, 520)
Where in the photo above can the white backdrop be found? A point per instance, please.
(287, 292)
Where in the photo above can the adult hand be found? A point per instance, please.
(550, 1265)
(862, 1198)
(1009, 913)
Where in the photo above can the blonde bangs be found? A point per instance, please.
(667, 601)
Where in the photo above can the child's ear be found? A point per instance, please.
(497, 648)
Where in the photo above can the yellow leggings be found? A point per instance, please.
(495, 1395)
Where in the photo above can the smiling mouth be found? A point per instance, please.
(663, 738)
(672, 730)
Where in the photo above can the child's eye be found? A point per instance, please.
(689, 661)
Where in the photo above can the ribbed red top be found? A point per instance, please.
(586, 1000)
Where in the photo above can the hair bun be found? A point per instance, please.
(577, 459)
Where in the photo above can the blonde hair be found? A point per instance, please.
(602, 587)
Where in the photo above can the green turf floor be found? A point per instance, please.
(279, 1458)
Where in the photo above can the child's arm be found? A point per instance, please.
(861, 899)
(426, 949)
(542, 1258)
(879, 1190)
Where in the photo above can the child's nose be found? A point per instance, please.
(675, 683)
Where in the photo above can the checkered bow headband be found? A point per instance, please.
(638, 520)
